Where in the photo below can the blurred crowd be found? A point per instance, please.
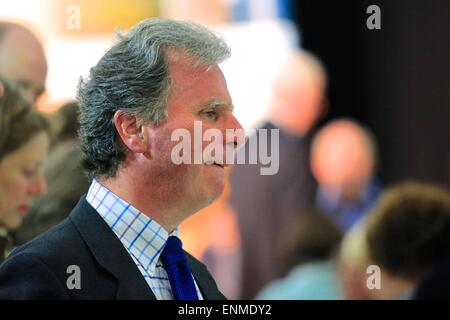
(323, 227)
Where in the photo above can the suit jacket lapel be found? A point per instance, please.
(110, 253)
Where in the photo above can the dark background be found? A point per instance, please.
(395, 80)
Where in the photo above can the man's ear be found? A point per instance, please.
(131, 131)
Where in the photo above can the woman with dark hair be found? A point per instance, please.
(24, 141)
(64, 171)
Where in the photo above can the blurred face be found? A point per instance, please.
(300, 95)
(21, 178)
(342, 161)
(23, 63)
(304, 92)
(197, 95)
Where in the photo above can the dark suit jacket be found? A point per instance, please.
(38, 269)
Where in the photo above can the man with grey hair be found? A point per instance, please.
(121, 240)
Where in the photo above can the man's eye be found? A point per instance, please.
(212, 114)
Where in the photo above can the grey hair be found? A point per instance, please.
(133, 77)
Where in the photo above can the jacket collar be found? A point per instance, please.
(204, 281)
(112, 256)
(110, 253)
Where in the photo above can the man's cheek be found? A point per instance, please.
(161, 149)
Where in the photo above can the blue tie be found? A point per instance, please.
(175, 262)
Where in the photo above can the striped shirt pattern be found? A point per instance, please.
(143, 238)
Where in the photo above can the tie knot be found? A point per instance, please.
(176, 265)
(173, 252)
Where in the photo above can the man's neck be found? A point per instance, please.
(160, 211)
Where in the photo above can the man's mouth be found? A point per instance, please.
(221, 165)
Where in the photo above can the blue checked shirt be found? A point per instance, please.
(143, 238)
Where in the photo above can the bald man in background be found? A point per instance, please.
(343, 162)
(265, 205)
(22, 60)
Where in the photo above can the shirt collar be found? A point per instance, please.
(142, 236)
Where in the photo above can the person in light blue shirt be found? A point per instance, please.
(309, 251)
(312, 281)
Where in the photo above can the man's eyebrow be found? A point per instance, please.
(217, 103)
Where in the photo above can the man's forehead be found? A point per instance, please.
(184, 76)
(200, 85)
(180, 61)
(179, 56)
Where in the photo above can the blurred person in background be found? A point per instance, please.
(212, 236)
(22, 60)
(24, 140)
(343, 162)
(310, 249)
(66, 179)
(406, 235)
(65, 123)
(266, 204)
(353, 261)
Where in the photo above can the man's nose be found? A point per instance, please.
(237, 134)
